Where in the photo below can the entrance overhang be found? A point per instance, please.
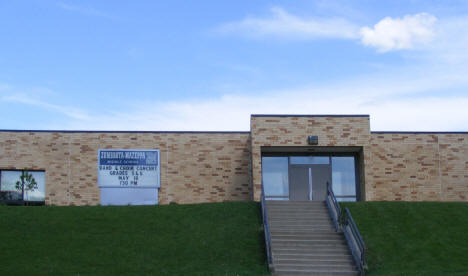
(311, 149)
(356, 152)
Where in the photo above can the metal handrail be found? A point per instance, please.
(355, 241)
(333, 207)
(348, 226)
(266, 229)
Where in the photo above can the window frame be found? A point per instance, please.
(355, 155)
(22, 201)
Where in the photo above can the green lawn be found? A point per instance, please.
(417, 238)
(204, 239)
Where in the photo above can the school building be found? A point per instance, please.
(292, 156)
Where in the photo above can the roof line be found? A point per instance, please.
(419, 132)
(305, 115)
(126, 131)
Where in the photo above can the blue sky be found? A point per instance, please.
(208, 65)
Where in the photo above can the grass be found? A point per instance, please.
(414, 238)
(204, 239)
(403, 238)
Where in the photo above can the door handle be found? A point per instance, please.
(310, 184)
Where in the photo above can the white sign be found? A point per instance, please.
(128, 168)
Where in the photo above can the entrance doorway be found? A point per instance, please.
(308, 182)
(304, 177)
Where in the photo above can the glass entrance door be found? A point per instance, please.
(304, 177)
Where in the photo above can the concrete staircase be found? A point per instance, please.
(304, 240)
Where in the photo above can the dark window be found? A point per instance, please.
(22, 186)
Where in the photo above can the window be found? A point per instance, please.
(22, 186)
(275, 177)
(344, 178)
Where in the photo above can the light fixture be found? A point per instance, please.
(312, 140)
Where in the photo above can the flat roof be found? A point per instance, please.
(419, 132)
(309, 115)
(210, 132)
(125, 131)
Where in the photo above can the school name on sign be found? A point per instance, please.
(128, 168)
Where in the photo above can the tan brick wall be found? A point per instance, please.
(454, 166)
(293, 131)
(209, 167)
(418, 167)
(195, 167)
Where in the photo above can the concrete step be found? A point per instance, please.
(309, 240)
(298, 204)
(308, 236)
(301, 221)
(296, 212)
(289, 203)
(298, 207)
(310, 251)
(287, 218)
(306, 228)
(295, 208)
(295, 203)
(298, 242)
(305, 233)
(314, 256)
(324, 240)
(317, 267)
(285, 261)
(299, 215)
(309, 248)
(311, 228)
(308, 272)
(304, 221)
(304, 205)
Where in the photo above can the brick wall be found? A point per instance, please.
(212, 166)
(293, 131)
(418, 166)
(195, 167)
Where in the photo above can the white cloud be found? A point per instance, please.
(71, 112)
(284, 24)
(450, 42)
(388, 34)
(399, 33)
(393, 102)
(396, 98)
(232, 113)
